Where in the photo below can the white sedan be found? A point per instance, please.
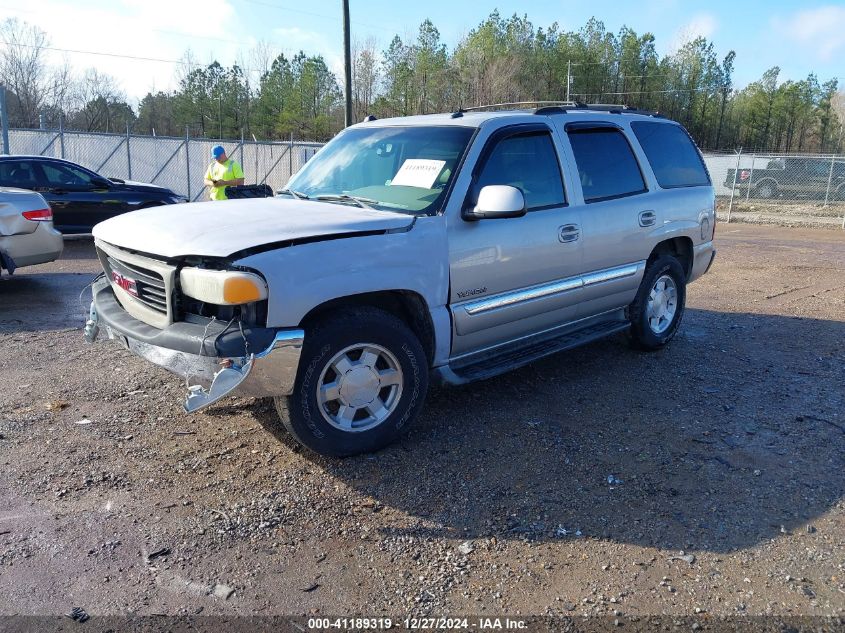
(27, 236)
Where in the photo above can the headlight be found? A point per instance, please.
(222, 287)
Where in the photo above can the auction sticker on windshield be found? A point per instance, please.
(418, 172)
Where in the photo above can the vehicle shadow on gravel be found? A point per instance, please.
(79, 247)
(43, 302)
(38, 299)
(729, 437)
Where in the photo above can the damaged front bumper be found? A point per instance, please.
(215, 359)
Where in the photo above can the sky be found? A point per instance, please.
(800, 37)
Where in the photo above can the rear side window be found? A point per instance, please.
(528, 162)
(673, 157)
(606, 164)
(17, 174)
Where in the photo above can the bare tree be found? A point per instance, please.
(838, 103)
(186, 65)
(365, 75)
(97, 101)
(261, 57)
(23, 70)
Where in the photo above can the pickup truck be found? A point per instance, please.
(791, 177)
(449, 247)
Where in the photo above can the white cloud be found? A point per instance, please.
(153, 29)
(820, 31)
(700, 25)
(293, 39)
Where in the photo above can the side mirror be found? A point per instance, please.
(497, 201)
(101, 183)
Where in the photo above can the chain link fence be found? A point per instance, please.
(797, 189)
(176, 163)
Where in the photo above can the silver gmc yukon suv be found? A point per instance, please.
(449, 247)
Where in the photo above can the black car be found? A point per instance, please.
(79, 197)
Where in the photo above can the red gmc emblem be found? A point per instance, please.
(125, 282)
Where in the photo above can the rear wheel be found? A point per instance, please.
(658, 308)
(362, 380)
(766, 190)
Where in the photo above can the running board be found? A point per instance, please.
(522, 353)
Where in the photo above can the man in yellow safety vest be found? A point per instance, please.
(222, 172)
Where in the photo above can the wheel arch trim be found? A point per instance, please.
(408, 305)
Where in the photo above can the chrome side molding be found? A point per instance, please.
(611, 274)
(487, 304)
(520, 296)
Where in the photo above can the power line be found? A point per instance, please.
(643, 92)
(605, 63)
(179, 62)
(100, 53)
(263, 4)
(334, 18)
(165, 31)
(205, 37)
(627, 76)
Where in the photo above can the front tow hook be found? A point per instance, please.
(92, 325)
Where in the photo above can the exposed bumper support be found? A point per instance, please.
(269, 372)
(225, 382)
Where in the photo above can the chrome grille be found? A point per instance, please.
(150, 285)
(143, 285)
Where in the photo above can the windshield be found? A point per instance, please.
(406, 169)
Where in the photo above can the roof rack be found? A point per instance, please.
(510, 105)
(611, 108)
(557, 107)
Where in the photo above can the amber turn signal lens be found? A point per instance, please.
(241, 290)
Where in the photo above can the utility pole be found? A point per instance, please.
(568, 77)
(347, 64)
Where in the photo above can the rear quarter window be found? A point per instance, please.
(17, 174)
(672, 154)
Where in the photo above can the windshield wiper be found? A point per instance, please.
(296, 194)
(365, 203)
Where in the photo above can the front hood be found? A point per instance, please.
(218, 229)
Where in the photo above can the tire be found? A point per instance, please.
(650, 331)
(357, 360)
(766, 190)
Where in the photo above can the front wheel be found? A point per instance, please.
(362, 380)
(659, 305)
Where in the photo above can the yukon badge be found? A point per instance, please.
(463, 294)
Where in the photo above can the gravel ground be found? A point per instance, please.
(707, 477)
(793, 213)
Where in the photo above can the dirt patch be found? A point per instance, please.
(810, 214)
(707, 476)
